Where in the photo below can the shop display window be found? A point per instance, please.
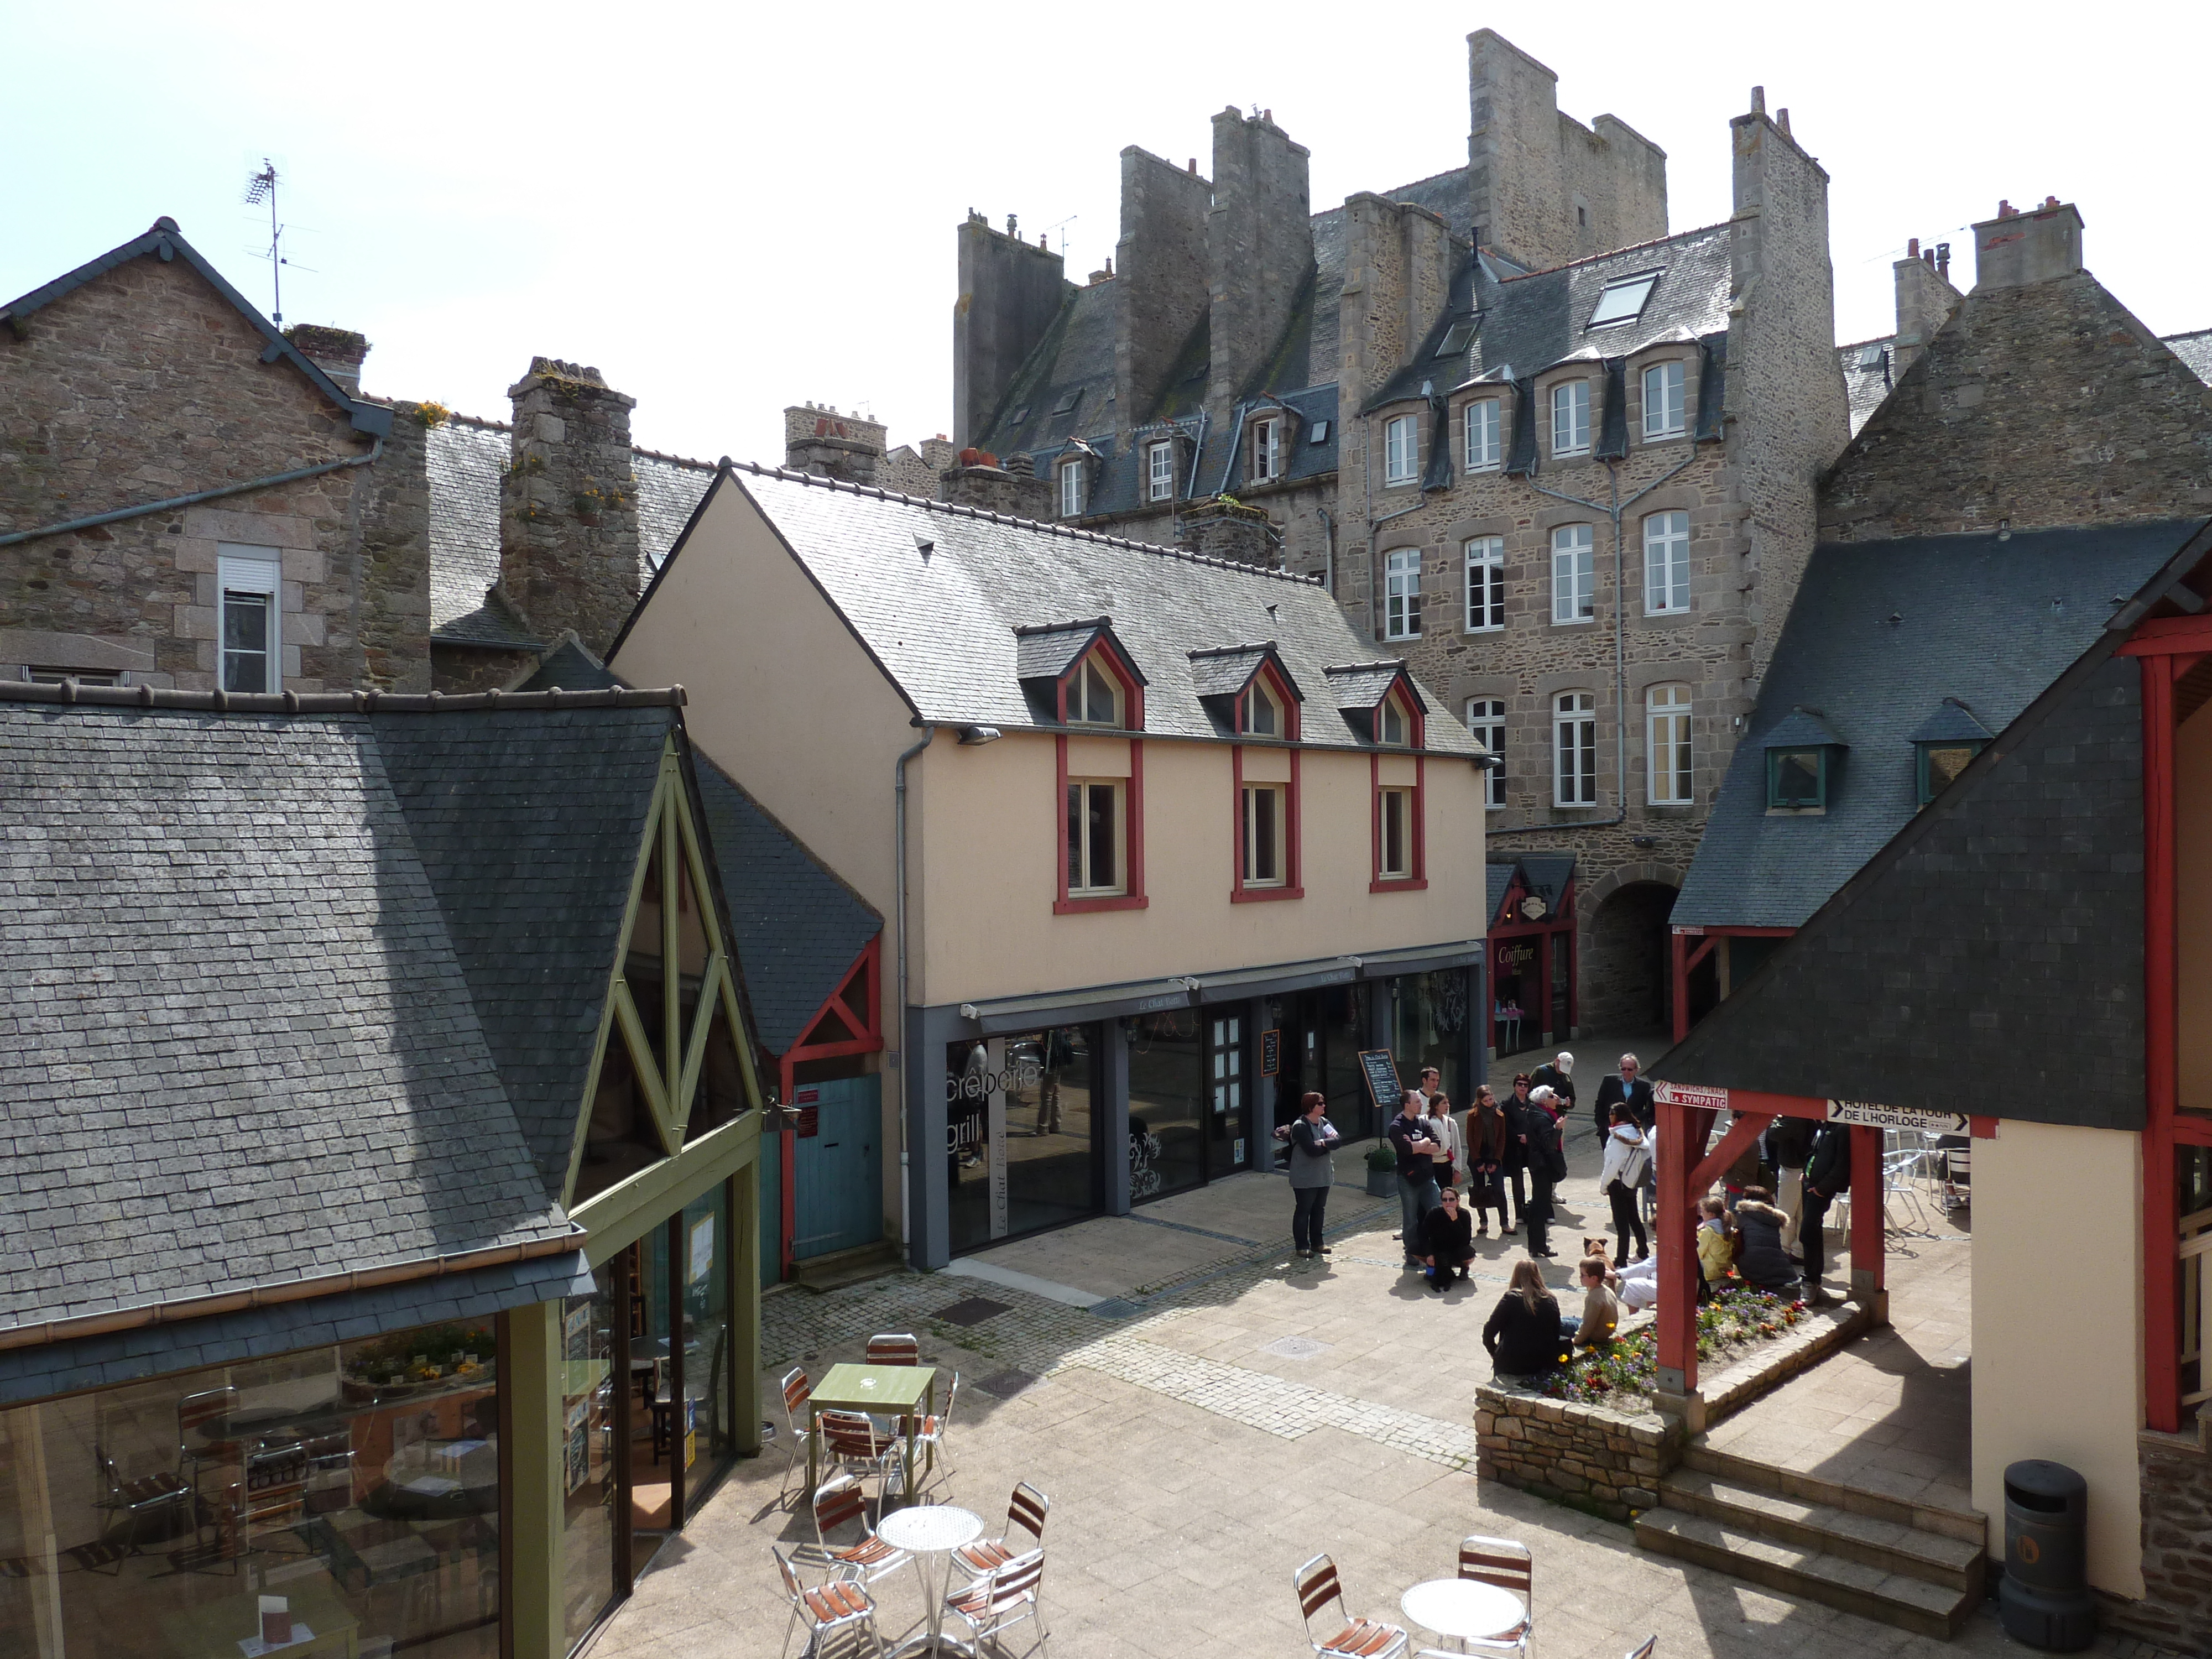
(1022, 1149)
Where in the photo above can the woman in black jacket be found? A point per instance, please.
(1514, 1175)
(1523, 1333)
(1764, 1261)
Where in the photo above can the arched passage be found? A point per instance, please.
(1625, 964)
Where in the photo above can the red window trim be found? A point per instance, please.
(1377, 882)
(1133, 690)
(1133, 832)
(1293, 885)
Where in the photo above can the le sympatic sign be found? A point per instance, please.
(1876, 1116)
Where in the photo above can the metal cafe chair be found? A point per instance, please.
(1317, 1586)
(194, 1413)
(854, 1442)
(898, 1349)
(798, 1389)
(157, 1493)
(1505, 1565)
(837, 1606)
(1649, 1646)
(840, 1503)
(1025, 1513)
(928, 1434)
(1002, 1599)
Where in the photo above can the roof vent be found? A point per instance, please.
(924, 546)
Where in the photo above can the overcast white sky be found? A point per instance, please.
(729, 208)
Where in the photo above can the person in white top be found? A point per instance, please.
(1619, 1177)
(1445, 1129)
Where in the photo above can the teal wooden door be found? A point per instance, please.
(839, 1168)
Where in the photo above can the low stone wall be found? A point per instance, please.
(2176, 1609)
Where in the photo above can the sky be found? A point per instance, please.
(732, 208)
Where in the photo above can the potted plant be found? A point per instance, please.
(1381, 1168)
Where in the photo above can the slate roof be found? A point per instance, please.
(799, 928)
(943, 628)
(290, 995)
(1501, 882)
(1880, 633)
(464, 457)
(1869, 370)
(1533, 321)
(2196, 350)
(1226, 670)
(1544, 874)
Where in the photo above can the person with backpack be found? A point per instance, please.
(1547, 1166)
(1618, 1179)
(1789, 1144)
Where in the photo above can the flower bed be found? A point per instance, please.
(1622, 1377)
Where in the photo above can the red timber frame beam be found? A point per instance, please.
(1692, 945)
(856, 1006)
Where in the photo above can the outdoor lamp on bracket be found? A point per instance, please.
(974, 737)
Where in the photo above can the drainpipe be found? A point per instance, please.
(1329, 551)
(375, 449)
(1613, 509)
(1236, 437)
(906, 1036)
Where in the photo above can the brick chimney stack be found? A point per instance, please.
(337, 351)
(569, 543)
(819, 440)
(2016, 249)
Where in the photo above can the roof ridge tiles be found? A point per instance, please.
(1041, 525)
(1615, 252)
(68, 691)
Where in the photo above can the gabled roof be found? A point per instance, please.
(1228, 671)
(293, 994)
(1500, 876)
(942, 628)
(1801, 728)
(1046, 651)
(1880, 633)
(1951, 722)
(1869, 371)
(2196, 350)
(1362, 686)
(165, 242)
(1546, 875)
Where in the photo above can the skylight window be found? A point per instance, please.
(1870, 356)
(1067, 400)
(1623, 302)
(1021, 415)
(1318, 433)
(1456, 336)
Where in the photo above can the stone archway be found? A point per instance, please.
(1625, 977)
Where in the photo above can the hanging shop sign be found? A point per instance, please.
(1874, 1116)
(1691, 1094)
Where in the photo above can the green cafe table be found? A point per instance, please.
(878, 1390)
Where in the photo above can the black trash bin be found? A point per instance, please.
(2043, 1598)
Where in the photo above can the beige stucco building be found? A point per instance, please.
(1161, 843)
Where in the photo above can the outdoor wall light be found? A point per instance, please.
(974, 737)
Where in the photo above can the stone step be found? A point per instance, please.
(1894, 1546)
(1963, 1524)
(842, 1267)
(1890, 1598)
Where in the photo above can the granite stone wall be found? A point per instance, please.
(1261, 248)
(569, 555)
(1160, 294)
(1605, 1462)
(2176, 1608)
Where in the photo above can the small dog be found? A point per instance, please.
(1598, 1247)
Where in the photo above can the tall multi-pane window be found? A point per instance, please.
(1666, 563)
(1664, 410)
(1159, 471)
(1094, 837)
(1073, 491)
(1394, 859)
(1485, 718)
(1267, 450)
(249, 580)
(1571, 428)
(1401, 450)
(1574, 749)
(1485, 583)
(1401, 593)
(1482, 446)
(1666, 744)
(1574, 574)
(1267, 819)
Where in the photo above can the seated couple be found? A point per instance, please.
(1529, 1338)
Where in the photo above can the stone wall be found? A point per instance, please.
(393, 627)
(1261, 234)
(569, 555)
(1010, 292)
(2176, 1609)
(1161, 291)
(1605, 1462)
(996, 489)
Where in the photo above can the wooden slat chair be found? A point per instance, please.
(928, 1433)
(798, 1389)
(1508, 1566)
(852, 1441)
(1026, 1512)
(163, 1490)
(1003, 1598)
(1317, 1586)
(840, 1503)
(894, 1349)
(837, 1606)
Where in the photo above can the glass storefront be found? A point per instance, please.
(349, 1494)
(1322, 1032)
(1022, 1135)
(1429, 1018)
(1167, 1103)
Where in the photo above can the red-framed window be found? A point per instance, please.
(1100, 818)
(1266, 853)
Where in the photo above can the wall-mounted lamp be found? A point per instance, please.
(974, 737)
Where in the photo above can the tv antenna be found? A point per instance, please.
(261, 187)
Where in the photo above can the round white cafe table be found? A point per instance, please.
(930, 1533)
(1462, 1608)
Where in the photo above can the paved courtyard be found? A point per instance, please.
(1223, 1412)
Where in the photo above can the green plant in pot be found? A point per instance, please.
(1382, 1170)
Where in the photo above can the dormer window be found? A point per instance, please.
(1396, 731)
(1267, 450)
(1401, 450)
(1664, 413)
(1484, 450)
(1074, 489)
(1796, 779)
(1571, 418)
(1159, 470)
(1261, 715)
(1940, 763)
(1095, 696)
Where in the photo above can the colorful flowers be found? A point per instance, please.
(1735, 1318)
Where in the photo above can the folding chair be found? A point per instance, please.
(194, 1411)
(1002, 1599)
(1506, 1565)
(1316, 1586)
(1027, 1512)
(149, 1494)
(1651, 1645)
(840, 1605)
(840, 1503)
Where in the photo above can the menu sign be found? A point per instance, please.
(1382, 1085)
(1271, 1054)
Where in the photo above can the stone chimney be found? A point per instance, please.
(1925, 301)
(1162, 295)
(2016, 249)
(1260, 236)
(569, 543)
(337, 351)
(1009, 293)
(817, 438)
(1243, 535)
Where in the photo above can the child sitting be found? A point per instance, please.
(1716, 1245)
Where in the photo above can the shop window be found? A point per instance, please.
(1574, 749)
(1485, 583)
(1097, 866)
(1574, 575)
(1267, 817)
(1667, 744)
(1571, 418)
(1401, 449)
(1485, 450)
(1393, 858)
(1159, 470)
(1401, 593)
(250, 628)
(1429, 1027)
(1940, 763)
(1666, 563)
(1074, 489)
(1022, 1148)
(1267, 450)
(1664, 413)
(1168, 1105)
(1485, 718)
(1095, 694)
(1796, 779)
(721, 1094)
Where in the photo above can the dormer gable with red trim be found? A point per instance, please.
(1381, 703)
(1248, 691)
(1078, 674)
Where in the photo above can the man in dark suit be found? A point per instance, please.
(1625, 1088)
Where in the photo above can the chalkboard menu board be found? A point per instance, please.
(1382, 1084)
(1271, 1054)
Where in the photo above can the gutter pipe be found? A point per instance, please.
(906, 1051)
(375, 449)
